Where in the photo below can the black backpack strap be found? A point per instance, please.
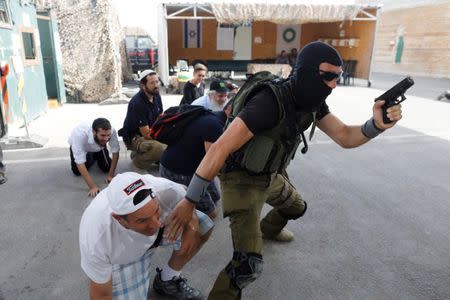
(158, 238)
(291, 118)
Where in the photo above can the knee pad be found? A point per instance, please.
(292, 216)
(245, 268)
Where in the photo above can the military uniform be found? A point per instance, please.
(255, 175)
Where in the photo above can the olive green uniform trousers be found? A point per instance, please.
(243, 197)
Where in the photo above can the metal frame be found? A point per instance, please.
(368, 15)
(194, 7)
(34, 36)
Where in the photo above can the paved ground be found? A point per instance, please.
(376, 228)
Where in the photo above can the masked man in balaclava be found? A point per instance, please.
(254, 151)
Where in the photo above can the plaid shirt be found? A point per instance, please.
(132, 281)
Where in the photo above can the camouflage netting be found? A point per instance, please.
(93, 49)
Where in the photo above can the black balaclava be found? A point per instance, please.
(307, 86)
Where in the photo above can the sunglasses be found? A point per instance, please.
(329, 76)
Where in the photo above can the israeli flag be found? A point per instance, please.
(192, 34)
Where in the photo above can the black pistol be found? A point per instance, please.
(393, 94)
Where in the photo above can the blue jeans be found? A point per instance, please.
(208, 202)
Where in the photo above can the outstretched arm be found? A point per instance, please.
(93, 188)
(350, 136)
(236, 135)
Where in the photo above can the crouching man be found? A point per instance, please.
(120, 230)
(88, 144)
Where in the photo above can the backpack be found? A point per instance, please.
(254, 84)
(170, 125)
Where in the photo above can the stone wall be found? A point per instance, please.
(425, 32)
(93, 49)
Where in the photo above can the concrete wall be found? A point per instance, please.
(23, 17)
(426, 35)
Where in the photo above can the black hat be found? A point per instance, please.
(218, 86)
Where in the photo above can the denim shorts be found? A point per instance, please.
(208, 202)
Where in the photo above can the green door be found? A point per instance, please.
(399, 50)
(48, 57)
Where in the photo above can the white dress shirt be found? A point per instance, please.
(82, 141)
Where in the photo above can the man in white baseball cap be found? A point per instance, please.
(119, 231)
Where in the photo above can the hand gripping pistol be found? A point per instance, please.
(393, 94)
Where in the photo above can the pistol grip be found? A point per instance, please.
(386, 120)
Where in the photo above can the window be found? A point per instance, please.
(28, 45)
(144, 42)
(129, 40)
(4, 16)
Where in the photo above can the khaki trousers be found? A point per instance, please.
(243, 197)
(145, 152)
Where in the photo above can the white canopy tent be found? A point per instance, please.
(283, 13)
(241, 11)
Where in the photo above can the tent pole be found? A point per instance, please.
(163, 47)
(369, 83)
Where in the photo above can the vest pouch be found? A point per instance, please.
(276, 158)
(290, 155)
(257, 153)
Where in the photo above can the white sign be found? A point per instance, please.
(225, 38)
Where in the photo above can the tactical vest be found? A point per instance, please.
(272, 150)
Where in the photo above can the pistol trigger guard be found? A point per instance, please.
(403, 99)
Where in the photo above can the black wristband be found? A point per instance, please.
(196, 189)
(370, 130)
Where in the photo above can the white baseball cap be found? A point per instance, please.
(124, 187)
(145, 73)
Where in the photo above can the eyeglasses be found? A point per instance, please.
(329, 76)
